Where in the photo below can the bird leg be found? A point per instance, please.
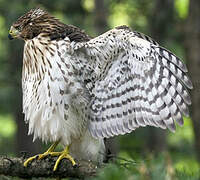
(64, 154)
(61, 155)
(41, 156)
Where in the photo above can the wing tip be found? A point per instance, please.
(172, 127)
(189, 84)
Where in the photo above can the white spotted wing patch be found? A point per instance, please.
(137, 83)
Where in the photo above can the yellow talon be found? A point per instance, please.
(64, 154)
(41, 156)
(29, 160)
(61, 155)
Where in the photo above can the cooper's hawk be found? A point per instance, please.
(78, 90)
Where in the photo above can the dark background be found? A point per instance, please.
(175, 24)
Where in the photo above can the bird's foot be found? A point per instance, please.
(41, 156)
(61, 155)
(64, 154)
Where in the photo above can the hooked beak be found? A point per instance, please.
(13, 33)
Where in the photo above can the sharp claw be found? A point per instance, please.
(55, 168)
(75, 165)
(64, 156)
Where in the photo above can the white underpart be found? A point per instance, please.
(53, 100)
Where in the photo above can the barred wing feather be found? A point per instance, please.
(135, 83)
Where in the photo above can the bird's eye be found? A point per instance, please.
(30, 23)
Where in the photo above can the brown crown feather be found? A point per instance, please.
(38, 21)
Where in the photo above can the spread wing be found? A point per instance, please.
(133, 83)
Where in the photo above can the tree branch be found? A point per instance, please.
(44, 168)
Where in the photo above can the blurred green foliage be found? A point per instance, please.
(7, 126)
(182, 8)
(155, 168)
(178, 163)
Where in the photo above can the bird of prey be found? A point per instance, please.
(78, 90)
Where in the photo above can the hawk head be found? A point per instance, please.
(38, 21)
(31, 24)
